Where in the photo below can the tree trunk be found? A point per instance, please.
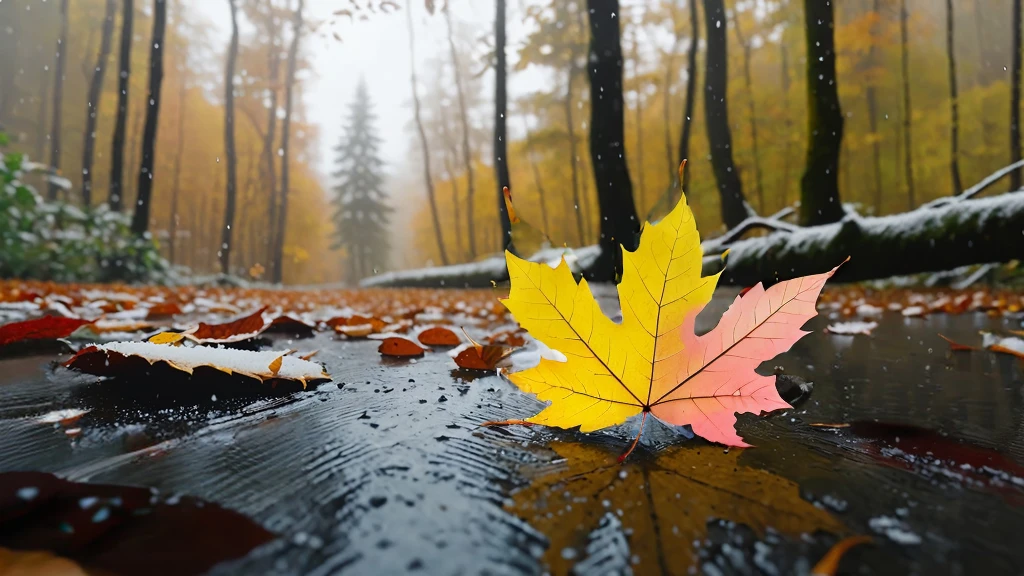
(537, 181)
(429, 180)
(954, 134)
(268, 168)
(231, 191)
(639, 111)
(133, 157)
(175, 191)
(666, 100)
(286, 125)
(140, 220)
(41, 131)
(92, 107)
(116, 195)
(1016, 180)
(501, 175)
(618, 220)
(749, 82)
(872, 103)
(819, 187)
(691, 94)
(716, 116)
(908, 150)
(450, 156)
(788, 124)
(467, 155)
(928, 239)
(570, 130)
(58, 97)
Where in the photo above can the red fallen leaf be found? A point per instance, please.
(482, 357)
(956, 346)
(120, 529)
(400, 347)
(439, 336)
(376, 324)
(45, 328)
(241, 329)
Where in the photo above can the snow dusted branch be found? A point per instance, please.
(976, 189)
(774, 223)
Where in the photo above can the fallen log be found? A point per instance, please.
(931, 238)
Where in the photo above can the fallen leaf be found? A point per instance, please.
(171, 338)
(852, 328)
(357, 331)
(109, 529)
(481, 357)
(45, 328)
(400, 347)
(1003, 344)
(438, 336)
(663, 502)
(829, 563)
(163, 310)
(275, 366)
(244, 328)
(956, 346)
(653, 362)
(291, 326)
(133, 358)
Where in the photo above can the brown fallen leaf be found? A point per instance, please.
(133, 359)
(243, 328)
(291, 326)
(664, 501)
(163, 310)
(109, 529)
(438, 336)
(482, 357)
(829, 563)
(400, 347)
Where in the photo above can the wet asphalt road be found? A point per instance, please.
(385, 470)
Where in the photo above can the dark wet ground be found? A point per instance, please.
(386, 471)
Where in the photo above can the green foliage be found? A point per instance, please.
(57, 241)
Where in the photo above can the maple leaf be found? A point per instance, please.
(653, 362)
(663, 501)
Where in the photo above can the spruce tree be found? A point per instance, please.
(361, 210)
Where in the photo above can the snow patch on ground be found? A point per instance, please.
(243, 361)
(851, 328)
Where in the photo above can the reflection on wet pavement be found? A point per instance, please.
(385, 469)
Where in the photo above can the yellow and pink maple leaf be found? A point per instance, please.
(652, 362)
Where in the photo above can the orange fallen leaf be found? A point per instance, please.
(172, 338)
(829, 563)
(438, 336)
(400, 347)
(27, 563)
(163, 310)
(956, 346)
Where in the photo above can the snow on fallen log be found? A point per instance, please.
(932, 238)
(478, 274)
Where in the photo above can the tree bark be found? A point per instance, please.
(92, 106)
(140, 220)
(286, 125)
(749, 82)
(428, 178)
(872, 103)
(819, 187)
(501, 175)
(1016, 180)
(116, 194)
(928, 239)
(954, 134)
(231, 191)
(467, 155)
(716, 116)
(908, 151)
(41, 131)
(691, 94)
(179, 155)
(58, 97)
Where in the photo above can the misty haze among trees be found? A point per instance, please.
(821, 112)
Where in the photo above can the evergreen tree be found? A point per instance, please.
(361, 210)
